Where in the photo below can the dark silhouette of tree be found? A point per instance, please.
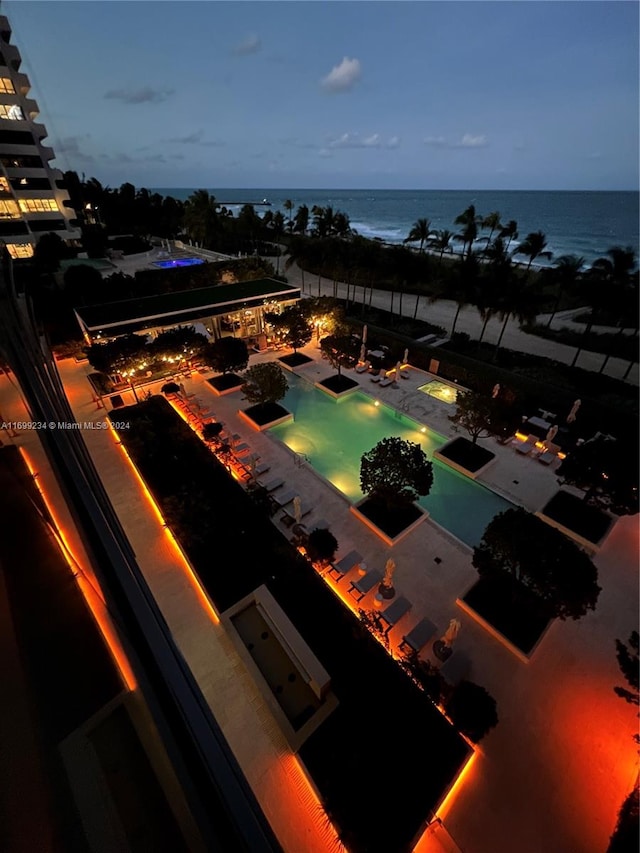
(226, 354)
(395, 473)
(565, 275)
(472, 710)
(264, 383)
(341, 351)
(607, 470)
(534, 246)
(420, 232)
(321, 546)
(481, 416)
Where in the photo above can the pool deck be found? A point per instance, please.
(554, 772)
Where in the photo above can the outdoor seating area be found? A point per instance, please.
(358, 589)
(391, 615)
(343, 566)
(418, 636)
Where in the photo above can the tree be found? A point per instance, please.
(469, 221)
(521, 547)
(510, 231)
(515, 298)
(201, 217)
(492, 221)
(442, 242)
(566, 274)
(341, 351)
(420, 231)
(211, 431)
(301, 220)
(534, 246)
(180, 343)
(119, 355)
(226, 355)
(627, 655)
(288, 206)
(395, 473)
(625, 836)
(264, 384)
(481, 416)
(462, 288)
(82, 284)
(294, 327)
(607, 469)
(49, 251)
(321, 546)
(472, 710)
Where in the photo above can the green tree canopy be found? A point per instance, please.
(226, 354)
(181, 342)
(395, 472)
(542, 559)
(341, 351)
(293, 326)
(482, 416)
(264, 383)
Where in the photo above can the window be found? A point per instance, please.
(20, 161)
(48, 225)
(38, 205)
(16, 137)
(9, 210)
(31, 184)
(6, 86)
(11, 111)
(4, 185)
(20, 250)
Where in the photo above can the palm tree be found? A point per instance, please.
(566, 274)
(516, 299)
(301, 220)
(492, 221)
(201, 217)
(277, 226)
(469, 221)
(462, 288)
(442, 241)
(420, 230)
(340, 225)
(288, 206)
(297, 256)
(510, 230)
(534, 246)
(497, 277)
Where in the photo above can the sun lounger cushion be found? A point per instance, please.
(348, 562)
(360, 588)
(388, 380)
(272, 484)
(375, 378)
(546, 458)
(419, 635)
(394, 612)
(284, 498)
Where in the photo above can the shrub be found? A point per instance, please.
(170, 388)
(210, 432)
(395, 472)
(322, 546)
(472, 710)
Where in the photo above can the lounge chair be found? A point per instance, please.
(546, 458)
(375, 377)
(525, 447)
(388, 380)
(348, 562)
(362, 368)
(404, 373)
(305, 509)
(272, 484)
(394, 612)
(358, 589)
(284, 498)
(240, 449)
(419, 635)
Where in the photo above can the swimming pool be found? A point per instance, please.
(178, 262)
(333, 435)
(441, 391)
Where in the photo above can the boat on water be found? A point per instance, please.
(266, 202)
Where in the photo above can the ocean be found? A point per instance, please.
(585, 224)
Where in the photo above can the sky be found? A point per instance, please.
(384, 95)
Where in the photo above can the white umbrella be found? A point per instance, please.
(405, 357)
(398, 366)
(364, 334)
(297, 509)
(389, 571)
(451, 632)
(363, 353)
(552, 433)
(574, 411)
(496, 390)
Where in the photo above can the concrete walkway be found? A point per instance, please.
(442, 313)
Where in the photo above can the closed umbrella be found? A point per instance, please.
(451, 632)
(405, 357)
(297, 509)
(363, 353)
(364, 334)
(389, 571)
(397, 373)
(552, 433)
(574, 411)
(496, 390)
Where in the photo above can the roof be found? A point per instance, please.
(185, 305)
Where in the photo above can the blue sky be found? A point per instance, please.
(425, 95)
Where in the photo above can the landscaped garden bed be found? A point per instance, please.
(295, 359)
(235, 548)
(226, 383)
(576, 517)
(391, 524)
(511, 609)
(338, 385)
(265, 415)
(464, 456)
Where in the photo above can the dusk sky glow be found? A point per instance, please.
(426, 95)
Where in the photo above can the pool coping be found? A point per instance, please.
(272, 612)
(262, 427)
(472, 475)
(337, 395)
(354, 509)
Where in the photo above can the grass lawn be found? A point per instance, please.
(466, 454)
(573, 513)
(225, 381)
(339, 383)
(295, 359)
(512, 610)
(235, 548)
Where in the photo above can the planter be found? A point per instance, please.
(390, 528)
(586, 525)
(262, 417)
(296, 359)
(226, 383)
(338, 386)
(465, 457)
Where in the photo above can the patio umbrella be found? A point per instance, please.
(451, 632)
(365, 329)
(574, 411)
(389, 571)
(552, 433)
(405, 357)
(297, 509)
(363, 353)
(496, 390)
(397, 373)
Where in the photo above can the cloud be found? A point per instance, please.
(251, 44)
(468, 140)
(394, 142)
(342, 77)
(70, 147)
(354, 140)
(139, 96)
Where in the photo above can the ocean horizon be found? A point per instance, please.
(585, 223)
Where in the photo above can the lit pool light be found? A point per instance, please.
(335, 434)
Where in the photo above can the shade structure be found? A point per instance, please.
(365, 329)
(552, 433)
(574, 411)
(389, 571)
(452, 632)
(405, 357)
(297, 509)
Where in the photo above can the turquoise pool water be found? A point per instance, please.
(333, 435)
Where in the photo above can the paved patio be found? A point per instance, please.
(553, 774)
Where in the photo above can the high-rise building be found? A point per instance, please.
(33, 200)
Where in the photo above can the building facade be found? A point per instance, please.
(33, 200)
